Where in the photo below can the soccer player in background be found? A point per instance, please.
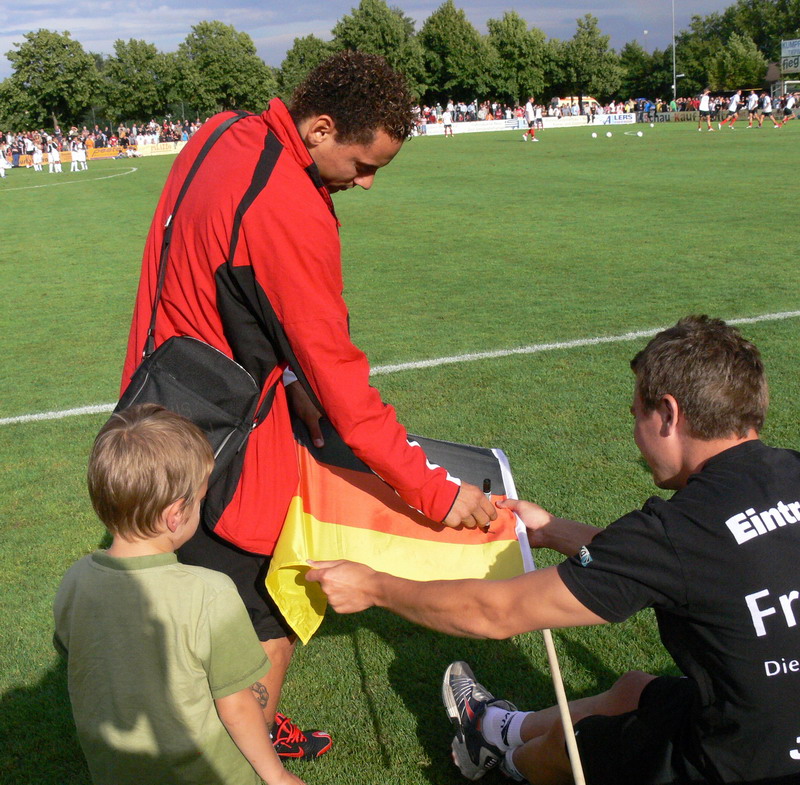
(733, 110)
(766, 111)
(447, 122)
(530, 119)
(752, 106)
(789, 103)
(705, 110)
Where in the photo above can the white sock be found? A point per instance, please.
(503, 728)
(509, 769)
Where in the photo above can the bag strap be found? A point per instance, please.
(150, 343)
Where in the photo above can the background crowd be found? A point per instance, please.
(644, 108)
(34, 147)
(20, 148)
(55, 80)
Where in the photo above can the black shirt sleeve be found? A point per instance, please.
(629, 566)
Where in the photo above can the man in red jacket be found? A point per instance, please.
(255, 271)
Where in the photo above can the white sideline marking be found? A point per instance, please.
(99, 409)
(379, 370)
(72, 182)
(382, 370)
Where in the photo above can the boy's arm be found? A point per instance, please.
(243, 718)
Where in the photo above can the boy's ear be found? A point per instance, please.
(172, 516)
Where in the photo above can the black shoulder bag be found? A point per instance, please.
(199, 382)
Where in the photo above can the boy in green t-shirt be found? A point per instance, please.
(162, 660)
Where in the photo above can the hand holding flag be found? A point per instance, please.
(471, 508)
(347, 584)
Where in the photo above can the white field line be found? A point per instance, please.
(379, 370)
(382, 370)
(71, 182)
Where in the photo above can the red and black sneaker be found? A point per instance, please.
(290, 742)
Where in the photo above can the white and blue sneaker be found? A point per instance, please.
(466, 702)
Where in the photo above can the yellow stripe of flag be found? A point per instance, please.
(305, 537)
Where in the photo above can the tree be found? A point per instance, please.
(375, 28)
(661, 75)
(219, 69)
(635, 64)
(643, 74)
(135, 81)
(738, 64)
(555, 75)
(759, 20)
(458, 60)
(764, 22)
(306, 54)
(522, 57)
(590, 67)
(53, 78)
(12, 106)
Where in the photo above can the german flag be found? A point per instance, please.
(342, 510)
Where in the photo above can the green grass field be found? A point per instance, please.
(474, 244)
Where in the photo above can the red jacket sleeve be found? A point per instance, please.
(290, 237)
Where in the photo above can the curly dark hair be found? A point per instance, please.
(361, 92)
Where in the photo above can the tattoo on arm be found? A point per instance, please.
(260, 691)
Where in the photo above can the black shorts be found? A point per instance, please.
(642, 747)
(705, 112)
(248, 572)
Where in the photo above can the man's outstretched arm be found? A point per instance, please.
(465, 608)
(547, 531)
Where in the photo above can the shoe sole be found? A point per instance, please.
(460, 756)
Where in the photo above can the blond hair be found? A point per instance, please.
(144, 459)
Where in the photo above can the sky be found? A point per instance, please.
(273, 26)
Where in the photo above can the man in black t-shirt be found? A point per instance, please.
(717, 562)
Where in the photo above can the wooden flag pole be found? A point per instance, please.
(555, 669)
(563, 709)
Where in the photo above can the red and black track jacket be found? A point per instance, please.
(255, 271)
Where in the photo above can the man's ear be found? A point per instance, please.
(669, 411)
(316, 130)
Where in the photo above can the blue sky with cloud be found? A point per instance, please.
(273, 26)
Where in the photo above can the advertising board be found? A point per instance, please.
(790, 56)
